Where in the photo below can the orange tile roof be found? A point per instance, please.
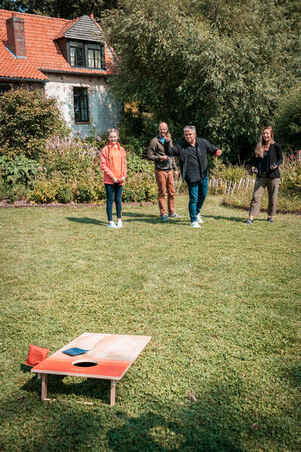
(42, 52)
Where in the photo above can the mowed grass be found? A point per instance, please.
(222, 370)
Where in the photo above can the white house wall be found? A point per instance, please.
(104, 111)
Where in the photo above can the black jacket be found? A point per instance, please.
(274, 157)
(193, 160)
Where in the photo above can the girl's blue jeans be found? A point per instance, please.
(197, 195)
(114, 193)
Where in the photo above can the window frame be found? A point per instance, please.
(5, 87)
(76, 45)
(85, 47)
(81, 100)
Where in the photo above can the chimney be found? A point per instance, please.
(15, 36)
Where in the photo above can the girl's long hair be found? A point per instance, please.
(259, 150)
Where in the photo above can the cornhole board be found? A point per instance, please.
(109, 356)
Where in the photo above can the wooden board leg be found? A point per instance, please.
(44, 387)
(113, 392)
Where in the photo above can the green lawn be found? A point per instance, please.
(221, 372)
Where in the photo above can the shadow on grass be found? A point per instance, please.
(235, 219)
(293, 375)
(221, 217)
(140, 215)
(127, 217)
(57, 384)
(134, 217)
(53, 426)
(154, 219)
(216, 421)
(86, 220)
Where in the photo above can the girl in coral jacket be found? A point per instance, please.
(113, 164)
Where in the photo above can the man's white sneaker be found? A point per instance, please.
(199, 218)
(111, 225)
(119, 223)
(195, 224)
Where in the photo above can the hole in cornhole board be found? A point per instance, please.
(85, 363)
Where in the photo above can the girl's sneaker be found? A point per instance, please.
(199, 218)
(111, 225)
(119, 223)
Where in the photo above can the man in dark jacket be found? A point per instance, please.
(192, 153)
(164, 167)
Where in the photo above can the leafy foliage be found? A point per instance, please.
(18, 171)
(288, 125)
(57, 8)
(229, 173)
(222, 66)
(291, 178)
(71, 173)
(27, 119)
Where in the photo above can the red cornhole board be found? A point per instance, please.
(109, 356)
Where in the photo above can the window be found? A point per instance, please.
(89, 55)
(4, 87)
(77, 55)
(81, 106)
(94, 58)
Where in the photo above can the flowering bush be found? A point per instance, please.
(70, 172)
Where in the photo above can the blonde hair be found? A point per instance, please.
(259, 150)
(109, 131)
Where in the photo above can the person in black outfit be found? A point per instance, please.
(192, 153)
(268, 158)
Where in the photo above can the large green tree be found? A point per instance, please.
(221, 65)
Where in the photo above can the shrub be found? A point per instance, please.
(69, 171)
(140, 187)
(70, 157)
(86, 192)
(27, 119)
(44, 191)
(228, 178)
(64, 194)
(14, 192)
(229, 173)
(136, 164)
(20, 170)
(291, 178)
(288, 123)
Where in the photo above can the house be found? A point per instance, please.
(68, 59)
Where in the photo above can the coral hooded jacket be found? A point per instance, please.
(107, 163)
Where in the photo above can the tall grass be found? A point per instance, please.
(236, 186)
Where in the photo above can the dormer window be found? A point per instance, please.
(94, 57)
(86, 54)
(76, 54)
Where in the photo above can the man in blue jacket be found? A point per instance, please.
(192, 153)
